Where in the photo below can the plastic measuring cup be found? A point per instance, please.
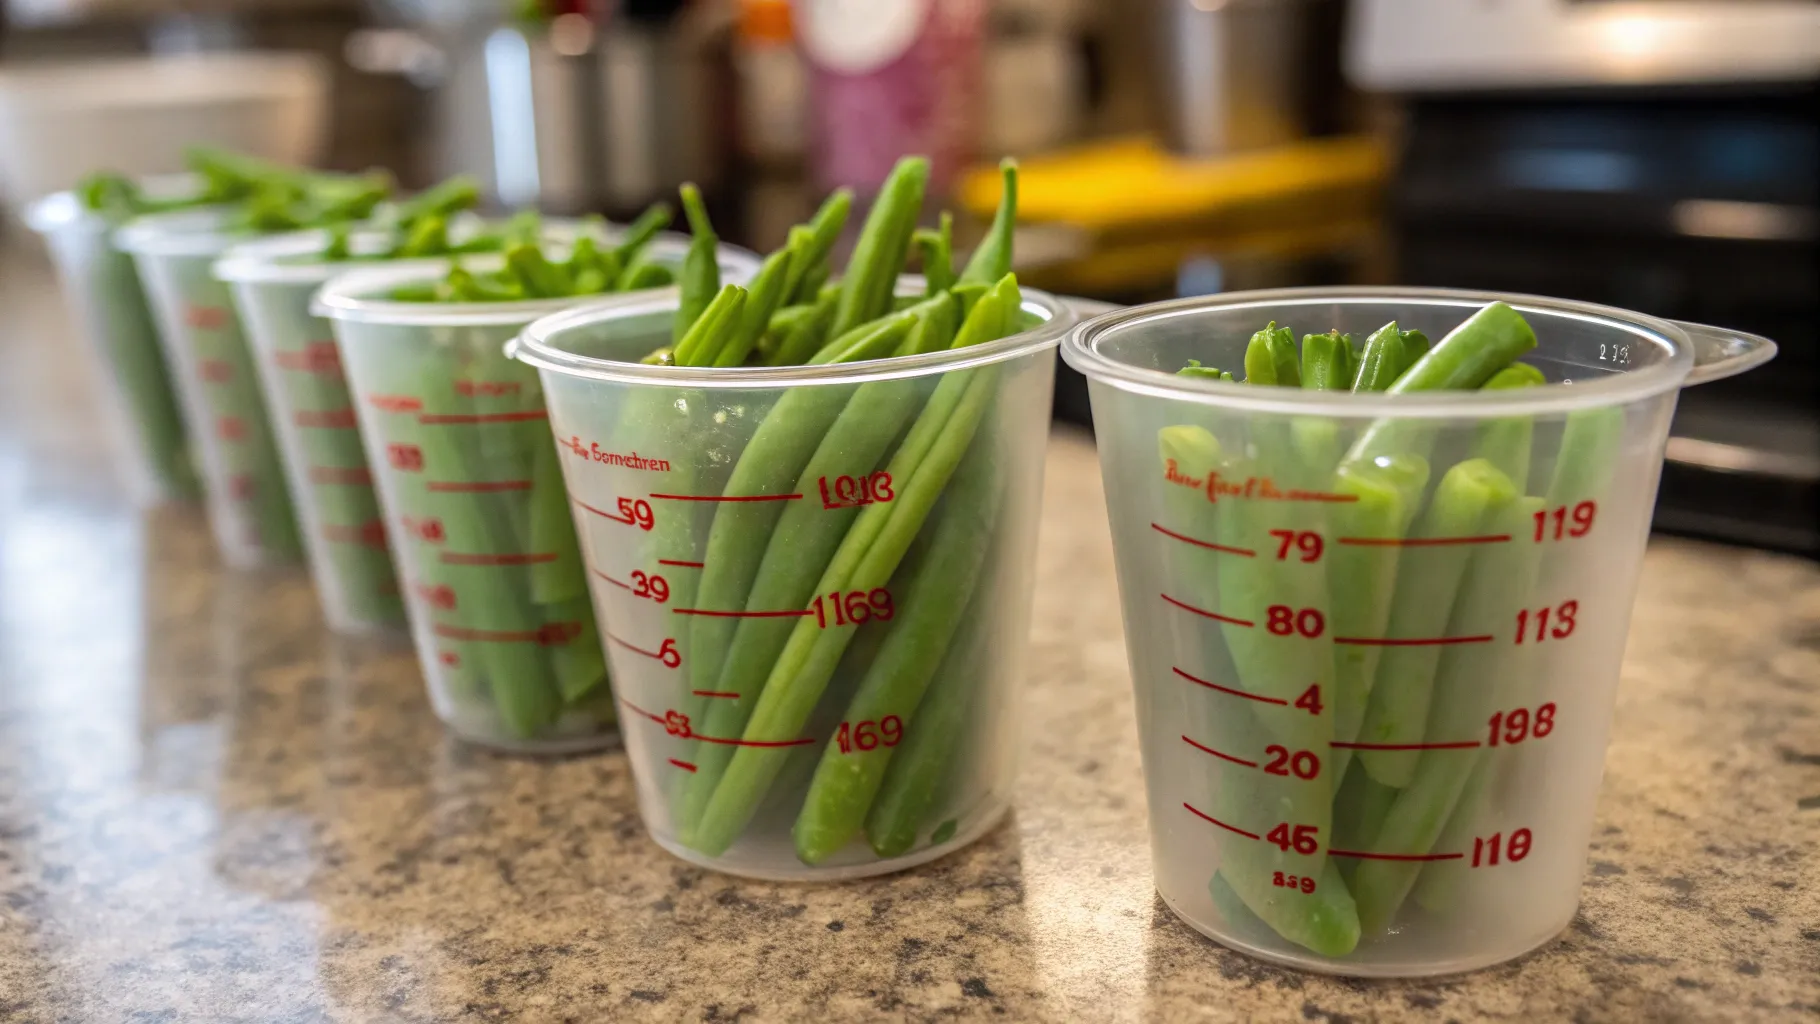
(103, 292)
(1375, 639)
(803, 696)
(460, 444)
(249, 506)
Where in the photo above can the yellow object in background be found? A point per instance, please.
(1126, 183)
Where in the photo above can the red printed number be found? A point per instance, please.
(1285, 621)
(638, 513)
(405, 458)
(1306, 544)
(1302, 882)
(650, 585)
(1282, 761)
(669, 655)
(1300, 838)
(1310, 700)
(1562, 523)
(1486, 849)
(851, 491)
(1560, 627)
(887, 731)
(853, 607)
(1512, 727)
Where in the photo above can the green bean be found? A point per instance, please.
(645, 227)
(1469, 679)
(936, 249)
(1472, 493)
(766, 290)
(992, 260)
(1383, 360)
(1325, 361)
(802, 340)
(538, 277)
(815, 243)
(878, 257)
(867, 556)
(923, 626)
(709, 332)
(700, 278)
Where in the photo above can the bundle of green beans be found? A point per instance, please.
(266, 197)
(528, 273)
(1392, 804)
(779, 676)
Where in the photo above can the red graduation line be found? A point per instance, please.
(684, 765)
(1423, 542)
(1204, 816)
(1227, 689)
(599, 512)
(456, 558)
(1245, 552)
(1366, 641)
(672, 561)
(611, 580)
(442, 419)
(477, 487)
(741, 615)
(721, 497)
(653, 655)
(1460, 745)
(715, 693)
(1203, 612)
(1215, 753)
(1395, 856)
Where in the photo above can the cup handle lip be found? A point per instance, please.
(1720, 352)
(1087, 309)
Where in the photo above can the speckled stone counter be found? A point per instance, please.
(211, 810)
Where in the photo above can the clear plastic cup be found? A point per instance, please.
(103, 293)
(460, 446)
(344, 533)
(817, 668)
(1375, 639)
(249, 505)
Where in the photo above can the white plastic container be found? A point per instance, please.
(458, 439)
(800, 699)
(1374, 683)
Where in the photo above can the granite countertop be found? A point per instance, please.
(212, 810)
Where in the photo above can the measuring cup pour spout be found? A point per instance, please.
(1374, 691)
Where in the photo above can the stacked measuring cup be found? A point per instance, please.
(776, 528)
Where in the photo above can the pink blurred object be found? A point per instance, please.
(891, 77)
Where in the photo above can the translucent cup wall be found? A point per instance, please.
(798, 701)
(1375, 639)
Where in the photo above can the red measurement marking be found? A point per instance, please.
(1204, 816)
(444, 419)
(1227, 689)
(1312, 496)
(242, 487)
(741, 615)
(719, 497)
(679, 725)
(1433, 641)
(532, 558)
(664, 655)
(449, 658)
(548, 635)
(371, 534)
(672, 561)
(215, 371)
(487, 388)
(1422, 542)
(1207, 614)
(609, 579)
(1224, 757)
(715, 693)
(334, 419)
(316, 357)
(684, 765)
(205, 318)
(478, 486)
(1246, 552)
(353, 475)
(231, 428)
(1395, 856)
(395, 403)
(1461, 745)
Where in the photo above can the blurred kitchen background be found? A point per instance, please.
(1662, 156)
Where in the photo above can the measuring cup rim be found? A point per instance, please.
(264, 260)
(343, 297)
(534, 346)
(59, 210)
(196, 231)
(1081, 351)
